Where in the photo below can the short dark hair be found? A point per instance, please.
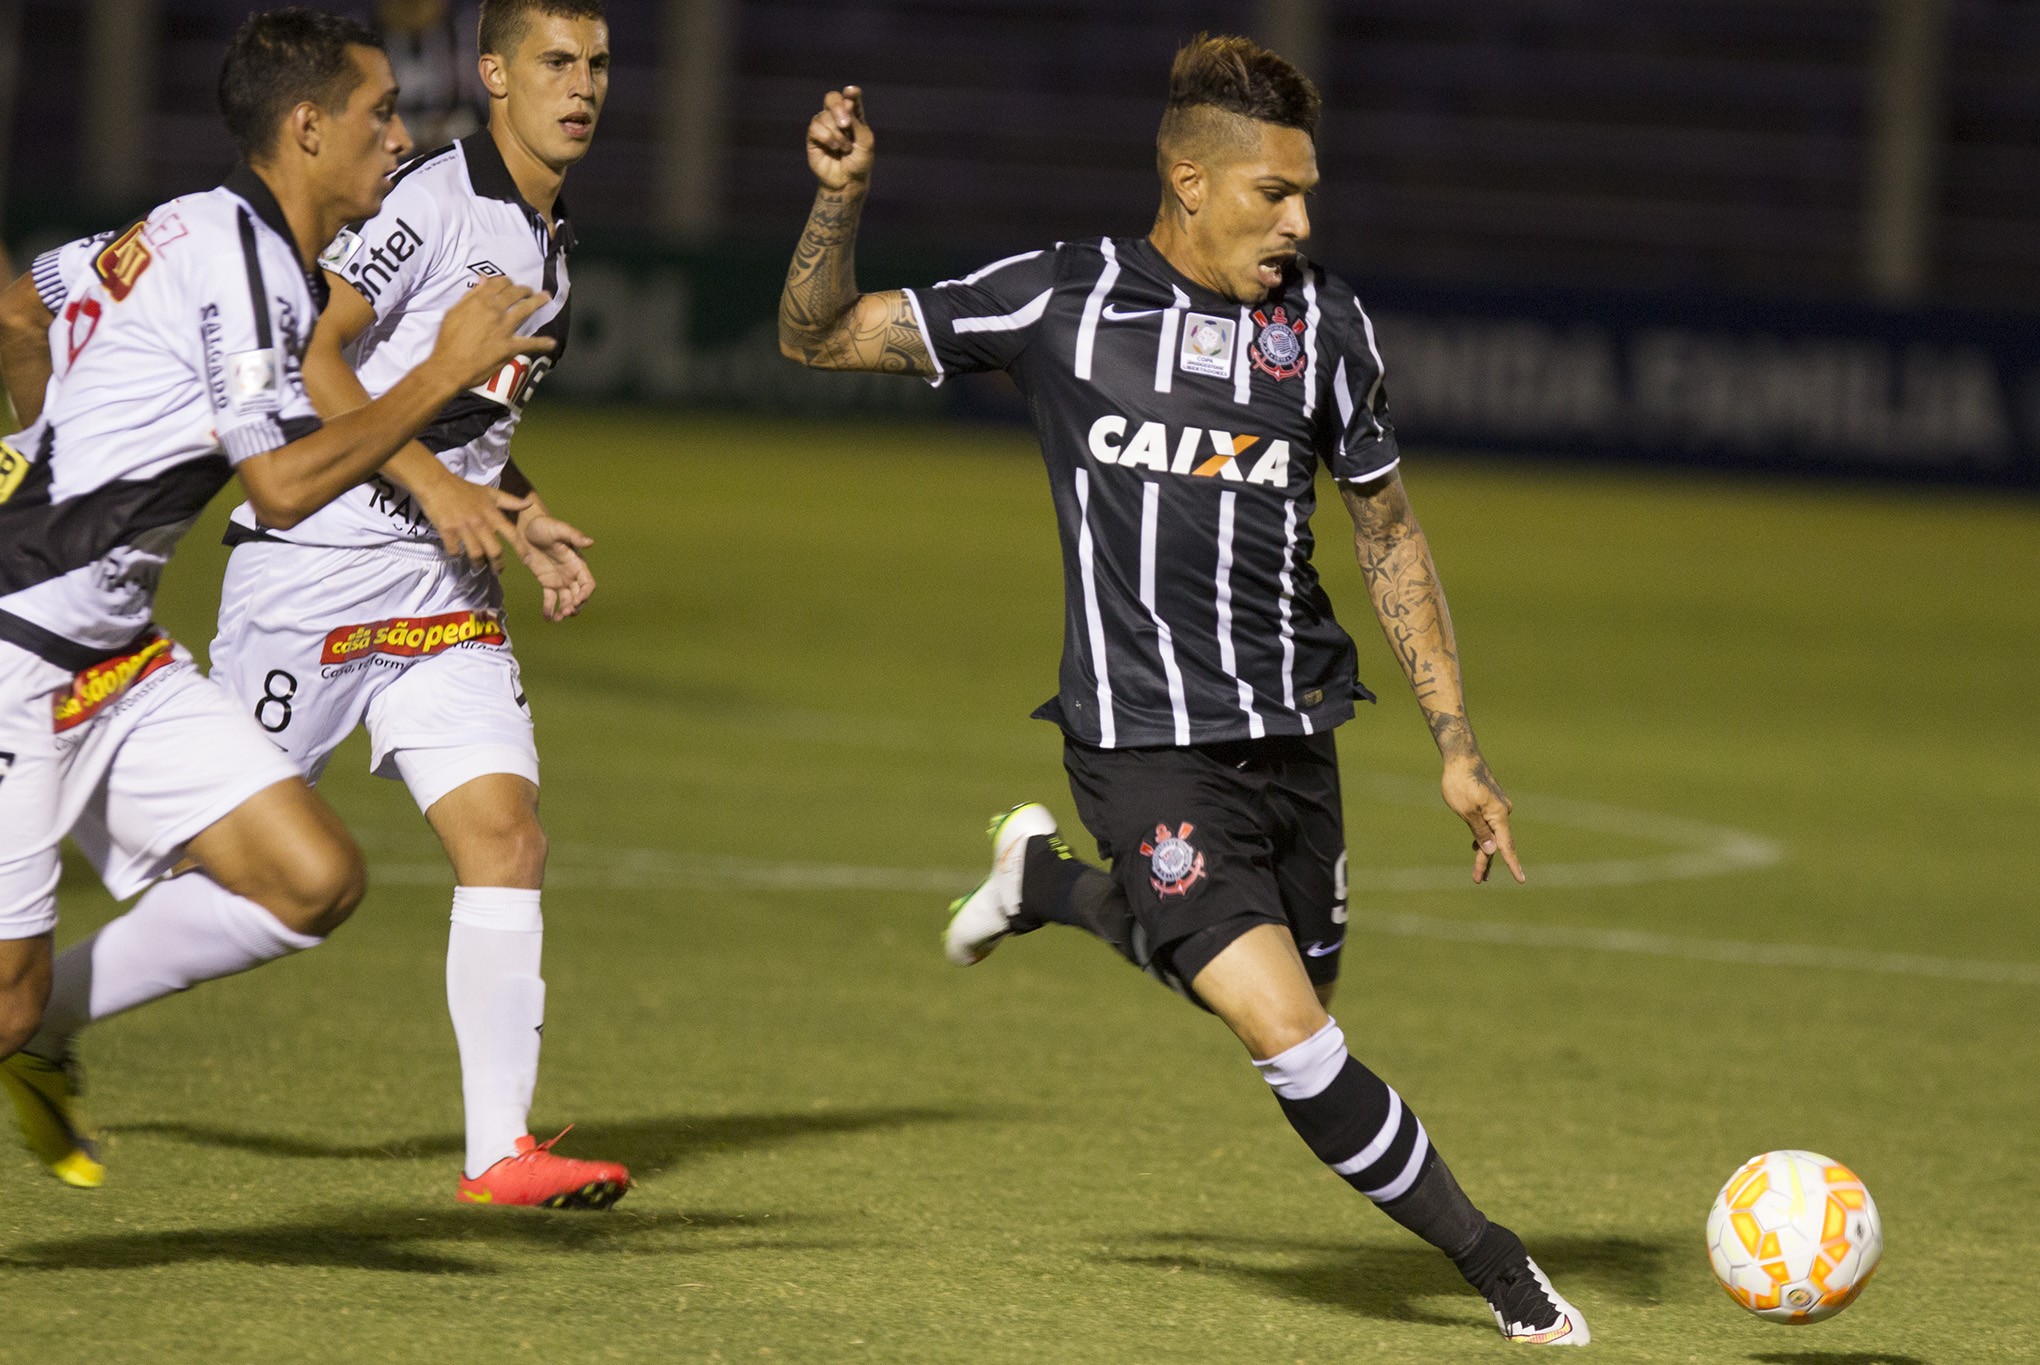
(278, 60)
(504, 22)
(1241, 77)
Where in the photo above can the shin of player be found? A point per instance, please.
(1187, 386)
(108, 732)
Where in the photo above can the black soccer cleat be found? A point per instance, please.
(1526, 1308)
(1530, 1311)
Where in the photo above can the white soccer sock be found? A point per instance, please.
(497, 1000)
(182, 931)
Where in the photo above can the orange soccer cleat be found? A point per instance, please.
(536, 1177)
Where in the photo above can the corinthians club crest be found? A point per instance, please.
(1174, 866)
(1278, 347)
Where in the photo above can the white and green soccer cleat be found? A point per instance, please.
(45, 1095)
(978, 921)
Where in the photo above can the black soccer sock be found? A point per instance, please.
(1057, 887)
(1359, 1126)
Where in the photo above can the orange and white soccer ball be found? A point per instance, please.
(1794, 1237)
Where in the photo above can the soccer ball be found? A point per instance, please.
(1794, 1237)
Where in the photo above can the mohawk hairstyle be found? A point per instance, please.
(505, 22)
(1240, 77)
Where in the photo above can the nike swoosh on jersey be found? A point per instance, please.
(1326, 949)
(1115, 315)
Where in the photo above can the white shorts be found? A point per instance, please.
(163, 755)
(314, 641)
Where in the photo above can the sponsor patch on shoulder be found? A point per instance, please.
(340, 250)
(120, 262)
(1208, 345)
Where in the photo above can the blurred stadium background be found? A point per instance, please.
(1801, 234)
(1711, 333)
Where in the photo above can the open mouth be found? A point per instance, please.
(1271, 268)
(578, 126)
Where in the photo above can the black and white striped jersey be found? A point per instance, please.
(1183, 432)
(175, 356)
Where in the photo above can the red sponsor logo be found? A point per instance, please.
(101, 685)
(411, 637)
(121, 262)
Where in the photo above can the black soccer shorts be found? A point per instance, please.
(1210, 840)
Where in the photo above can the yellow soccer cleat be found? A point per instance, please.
(45, 1098)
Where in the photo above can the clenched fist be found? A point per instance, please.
(839, 141)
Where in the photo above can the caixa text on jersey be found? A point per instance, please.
(1195, 452)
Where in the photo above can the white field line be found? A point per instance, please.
(1707, 850)
(1701, 850)
(590, 868)
(1732, 951)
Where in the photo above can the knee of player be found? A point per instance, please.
(1278, 1035)
(513, 849)
(525, 844)
(324, 882)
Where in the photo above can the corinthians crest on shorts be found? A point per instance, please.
(1174, 864)
(1278, 347)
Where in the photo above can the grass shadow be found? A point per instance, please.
(398, 1238)
(1393, 1282)
(649, 1146)
(1836, 1358)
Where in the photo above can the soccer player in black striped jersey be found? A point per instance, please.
(1187, 386)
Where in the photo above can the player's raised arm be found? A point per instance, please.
(1403, 582)
(479, 334)
(824, 323)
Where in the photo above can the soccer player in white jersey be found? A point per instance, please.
(384, 607)
(174, 367)
(1187, 385)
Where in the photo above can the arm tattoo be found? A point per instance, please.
(1395, 559)
(824, 322)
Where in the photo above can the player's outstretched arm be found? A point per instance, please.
(824, 323)
(476, 337)
(1395, 559)
(25, 347)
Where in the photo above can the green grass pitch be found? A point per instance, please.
(1792, 717)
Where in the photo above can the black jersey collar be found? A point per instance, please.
(255, 190)
(491, 178)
